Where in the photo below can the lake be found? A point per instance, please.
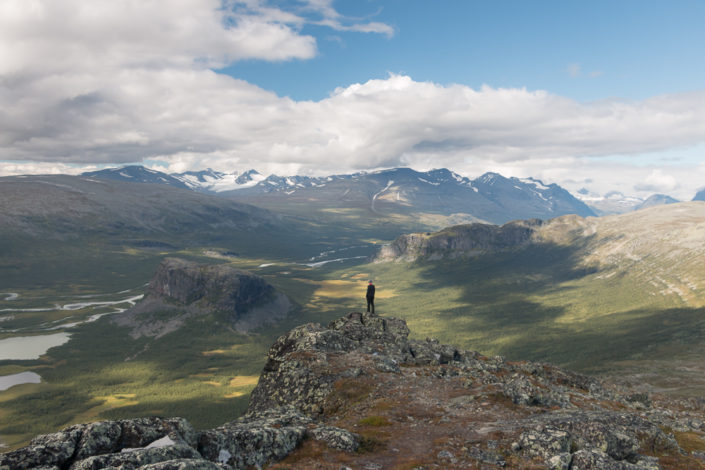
(30, 347)
(7, 381)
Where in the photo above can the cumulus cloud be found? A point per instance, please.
(126, 81)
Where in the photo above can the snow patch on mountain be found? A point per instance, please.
(216, 181)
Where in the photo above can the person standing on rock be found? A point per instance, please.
(370, 296)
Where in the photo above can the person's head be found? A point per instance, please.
(370, 281)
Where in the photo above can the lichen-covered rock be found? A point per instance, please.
(53, 449)
(616, 434)
(336, 438)
(560, 462)
(545, 441)
(140, 432)
(254, 439)
(102, 437)
(595, 459)
(83, 441)
(524, 391)
(387, 364)
(297, 372)
(431, 352)
(186, 464)
(136, 458)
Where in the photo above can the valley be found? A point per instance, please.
(618, 296)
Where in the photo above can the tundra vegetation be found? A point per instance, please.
(563, 301)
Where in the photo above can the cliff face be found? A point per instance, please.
(360, 394)
(460, 241)
(182, 289)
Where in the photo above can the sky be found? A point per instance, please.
(602, 95)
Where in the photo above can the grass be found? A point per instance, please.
(539, 303)
(374, 421)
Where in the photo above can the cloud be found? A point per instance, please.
(175, 114)
(658, 182)
(102, 82)
(332, 19)
(574, 69)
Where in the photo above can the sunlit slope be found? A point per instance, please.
(662, 247)
(587, 293)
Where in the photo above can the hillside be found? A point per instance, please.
(111, 232)
(66, 207)
(661, 247)
(360, 394)
(619, 295)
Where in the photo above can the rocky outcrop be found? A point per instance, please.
(360, 394)
(182, 289)
(130, 443)
(460, 241)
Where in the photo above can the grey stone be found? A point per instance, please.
(186, 464)
(254, 441)
(545, 441)
(102, 437)
(560, 461)
(53, 449)
(136, 458)
(337, 438)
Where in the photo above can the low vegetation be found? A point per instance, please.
(537, 303)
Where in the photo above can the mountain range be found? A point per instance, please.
(491, 197)
(616, 202)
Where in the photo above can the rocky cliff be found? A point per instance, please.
(359, 394)
(460, 241)
(182, 289)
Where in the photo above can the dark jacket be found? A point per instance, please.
(370, 291)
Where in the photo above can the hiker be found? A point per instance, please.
(370, 296)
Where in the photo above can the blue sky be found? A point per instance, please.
(583, 50)
(602, 95)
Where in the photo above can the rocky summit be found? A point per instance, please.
(183, 289)
(359, 394)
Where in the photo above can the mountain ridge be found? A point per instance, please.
(490, 197)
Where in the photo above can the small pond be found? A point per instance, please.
(7, 381)
(30, 347)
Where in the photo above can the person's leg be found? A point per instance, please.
(368, 304)
(372, 303)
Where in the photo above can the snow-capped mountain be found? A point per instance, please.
(137, 174)
(613, 202)
(491, 197)
(215, 181)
